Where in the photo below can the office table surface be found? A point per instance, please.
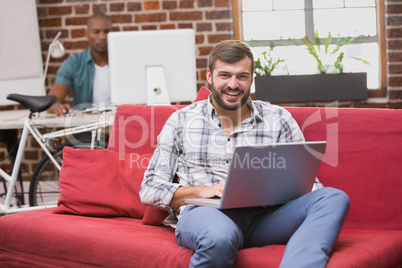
(14, 119)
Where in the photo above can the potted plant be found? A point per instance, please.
(267, 65)
(331, 83)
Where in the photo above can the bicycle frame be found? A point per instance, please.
(42, 139)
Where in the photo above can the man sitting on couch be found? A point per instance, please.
(194, 146)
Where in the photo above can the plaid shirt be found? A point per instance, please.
(193, 146)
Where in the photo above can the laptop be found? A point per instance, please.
(268, 175)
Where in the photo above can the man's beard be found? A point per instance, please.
(217, 95)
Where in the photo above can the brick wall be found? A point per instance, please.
(212, 21)
(393, 22)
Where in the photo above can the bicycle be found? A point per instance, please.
(44, 187)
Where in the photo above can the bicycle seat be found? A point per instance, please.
(35, 104)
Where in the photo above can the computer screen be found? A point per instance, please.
(152, 67)
(21, 67)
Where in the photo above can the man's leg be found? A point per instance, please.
(309, 225)
(213, 236)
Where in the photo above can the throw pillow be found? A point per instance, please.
(101, 183)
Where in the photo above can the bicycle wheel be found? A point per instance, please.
(44, 185)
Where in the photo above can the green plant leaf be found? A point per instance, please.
(328, 42)
(312, 49)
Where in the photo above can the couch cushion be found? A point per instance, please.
(125, 242)
(101, 183)
(154, 216)
(136, 127)
(44, 239)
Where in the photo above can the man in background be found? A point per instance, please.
(85, 73)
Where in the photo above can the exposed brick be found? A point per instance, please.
(76, 21)
(395, 105)
(154, 17)
(121, 18)
(29, 154)
(204, 51)
(395, 94)
(394, 21)
(394, 44)
(130, 28)
(395, 81)
(52, 70)
(395, 68)
(81, 9)
(394, 32)
(6, 166)
(169, 4)
(213, 15)
(203, 74)
(50, 1)
(149, 27)
(185, 26)
(55, 22)
(202, 63)
(204, 26)
(42, 12)
(394, 57)
(115, 7)
(134, 6)
(50, 34)
(393, 9)
(199, 38)
(115, 28)
(64, 10)
(204, 3)
(79, 45)
(167, 26)
(370, 105)
(224, 26)
(186, 4)
(216, 38)
(78, 33)
(222, 3)
(151, 5)
(183, 15)
(99, 8)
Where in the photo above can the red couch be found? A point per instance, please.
(100, 221)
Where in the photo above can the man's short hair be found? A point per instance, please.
(230, 51)
(99, 16)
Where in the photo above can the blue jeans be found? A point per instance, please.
(308, 225)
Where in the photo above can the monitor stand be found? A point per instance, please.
(157, 93)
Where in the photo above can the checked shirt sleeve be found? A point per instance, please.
(157, 188)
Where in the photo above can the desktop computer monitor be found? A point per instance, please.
(152, 67)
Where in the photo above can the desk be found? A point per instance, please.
(14, 119)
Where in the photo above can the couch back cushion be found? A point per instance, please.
(363, 154)
(363, 158)
(136, 127)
